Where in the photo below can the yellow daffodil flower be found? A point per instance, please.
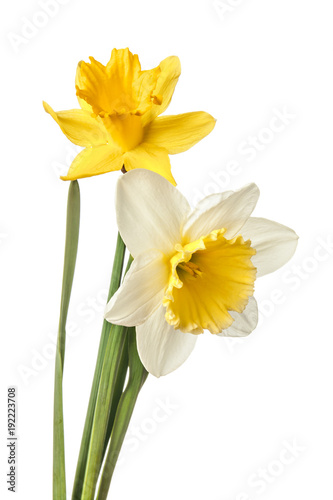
(192, 270)
(119, 124)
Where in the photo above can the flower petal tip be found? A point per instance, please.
(47, 108)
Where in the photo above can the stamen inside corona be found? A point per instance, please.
(190, 268)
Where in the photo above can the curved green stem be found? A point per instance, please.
(72, 238)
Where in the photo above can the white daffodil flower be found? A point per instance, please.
(192, 270)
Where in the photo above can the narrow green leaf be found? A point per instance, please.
(72, 238)
(137, 378)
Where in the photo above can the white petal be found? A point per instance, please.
(244, 323)
(141, 291)
(150, 212)
(162, 349)
(274, 243)
(222, 210)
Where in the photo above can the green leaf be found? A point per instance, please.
(72, 238)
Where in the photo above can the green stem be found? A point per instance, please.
(108, 392)
(120, 381)
(72, 238)
(118, 390)
(83, 454)
(137, 377)
(113, 354)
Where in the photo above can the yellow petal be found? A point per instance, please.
(179, 132)
(79, 83)
(167, 80)
(209, 278)
(150, 157)
(79, 126)
(95, 161)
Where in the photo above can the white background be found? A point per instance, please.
(236, 407)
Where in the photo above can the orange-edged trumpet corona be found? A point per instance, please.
(119, 125)
(193, 270)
